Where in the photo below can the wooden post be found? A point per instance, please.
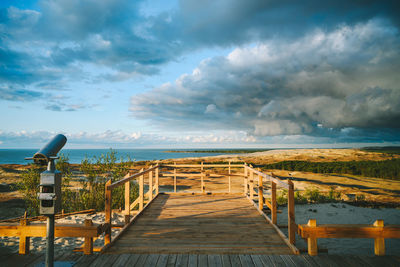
(88, 244)
(141, 191)
(127, 202)
(23, 239)
(202, 182)
(175, 177)
(157, 181)
(379, 241)
(312, 241)
(273, 202)
(245, 180)
(260, 193)
(229, 178)
(150, 185)
(107, 211)
(251, 185)
(291, 218)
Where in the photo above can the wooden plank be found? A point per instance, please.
(104, 260)
(182, 260)
(152, 260)
(121, 260)
(325, 260)
(266, 260)
(246, 260)
(257, 260)
(235, 261)
(349, 231)
(226, 262)
(300, 261)
(141, 260)
(132, 260)
(85, 260)
(192, 260)
(379, 261)
(311, 260)
(162, 260)
(288, 261)
(276, 260)
(171, 260)
(61, 230)
(214, 260)
(203, 260)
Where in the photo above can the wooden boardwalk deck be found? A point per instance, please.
(200, 224)
(202, 260)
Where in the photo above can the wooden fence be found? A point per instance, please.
(25, 230)
(254, 177)
(153, 190)
(311, 231)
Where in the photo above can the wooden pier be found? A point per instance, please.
(200, 224)
(219, 220)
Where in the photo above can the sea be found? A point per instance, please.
(17, 156)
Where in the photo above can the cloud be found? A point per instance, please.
(12, 94)
(121, 139)
(55, 41)
(319, 85)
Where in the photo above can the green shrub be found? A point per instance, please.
(97, 171)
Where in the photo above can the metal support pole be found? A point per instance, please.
(50, 241)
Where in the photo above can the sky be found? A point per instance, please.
(200, 74)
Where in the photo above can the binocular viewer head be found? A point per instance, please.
(50, 150)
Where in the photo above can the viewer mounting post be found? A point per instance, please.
(50, 189)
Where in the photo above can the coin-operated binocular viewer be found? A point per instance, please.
(50, 188)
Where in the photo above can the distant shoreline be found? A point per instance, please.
(229, 151)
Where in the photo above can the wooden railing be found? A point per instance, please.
(311, 231)
(202, 173)
(153, 185)
(250, 180)
(25, 231)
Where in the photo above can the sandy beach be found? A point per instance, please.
(384, 193)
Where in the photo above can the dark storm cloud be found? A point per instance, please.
(326, 83)
(114, 34)
(233, 22)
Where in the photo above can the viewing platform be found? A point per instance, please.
(204, 215)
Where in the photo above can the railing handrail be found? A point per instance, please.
(131, 177)
(202, 165)
(311, 231)
(269, 177)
